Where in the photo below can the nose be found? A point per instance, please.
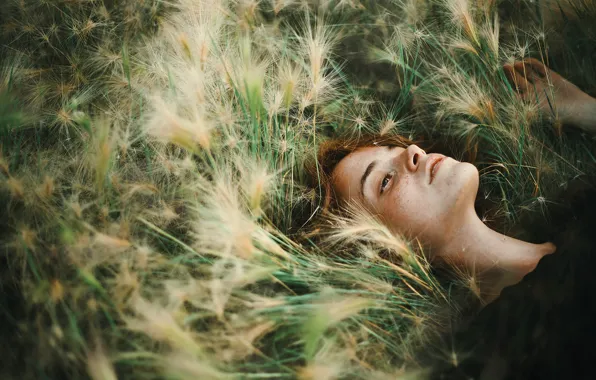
(414, 153)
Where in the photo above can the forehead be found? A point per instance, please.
(348, 172)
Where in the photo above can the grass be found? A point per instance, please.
(152, 186)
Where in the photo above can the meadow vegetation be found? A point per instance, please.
(154, 219)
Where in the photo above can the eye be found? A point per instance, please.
(386, 180)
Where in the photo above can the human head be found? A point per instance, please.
(396, 187)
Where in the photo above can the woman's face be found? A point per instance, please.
(417, 194)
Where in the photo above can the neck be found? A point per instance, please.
(493, 259)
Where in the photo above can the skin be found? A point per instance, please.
(556, 97)
(441, 214)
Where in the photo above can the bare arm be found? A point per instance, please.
(555, 95)
(585, 115)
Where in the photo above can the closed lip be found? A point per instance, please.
(433, 167)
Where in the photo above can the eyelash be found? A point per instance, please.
(387, 176)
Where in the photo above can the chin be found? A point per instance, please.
(471, 178)
(467, 180)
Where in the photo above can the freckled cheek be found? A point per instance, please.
(422, 211)
(451, 180)
(409, 206)
(451, 191)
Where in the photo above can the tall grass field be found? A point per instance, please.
(155, 217)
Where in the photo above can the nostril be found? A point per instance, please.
(415, 158)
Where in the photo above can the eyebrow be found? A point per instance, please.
(368, 170)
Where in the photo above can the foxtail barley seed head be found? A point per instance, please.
(415, 11)
(166, 124)
(160, 324)
(326, 366)
(110, 242)
(99, 365)
(57, 291)
(290, 78)
(490, 31)
(16, 188)
(47, 188)
(462, 15)
(182, 365)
